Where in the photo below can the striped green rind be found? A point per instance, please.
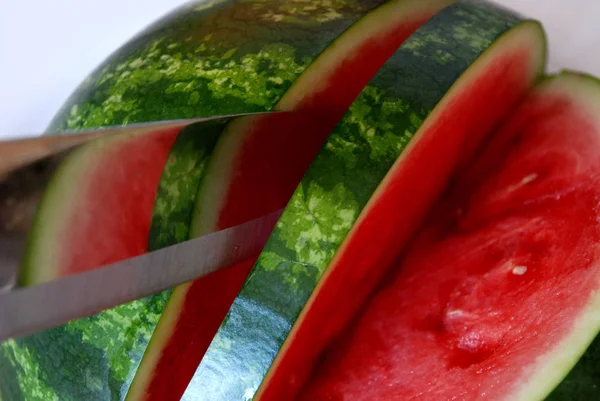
(336, 188)
(174, 204)
(210, 57)
(91, 359)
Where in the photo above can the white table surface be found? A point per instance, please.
(48, 47)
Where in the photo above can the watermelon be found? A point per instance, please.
(497, 295)
(425, 111)
(206, 59)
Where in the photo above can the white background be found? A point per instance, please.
(48, 46)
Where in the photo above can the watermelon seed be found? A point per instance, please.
(519, 270)
(528, 179)
(456, 312)
(524, 181)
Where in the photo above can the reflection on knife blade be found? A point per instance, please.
(28, 310)
(20, 194)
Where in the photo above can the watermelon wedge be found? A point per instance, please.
(311, 278)
(497, 296)
(189, 64)
(256, 165)
(113, 180)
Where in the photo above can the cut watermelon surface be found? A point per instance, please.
(118, 177)
(265, 338)
(497, 296)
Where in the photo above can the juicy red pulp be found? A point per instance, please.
(493, 280)
(114, 209)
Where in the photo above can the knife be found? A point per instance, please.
(18, 152)
(28, 310)
(26, 167)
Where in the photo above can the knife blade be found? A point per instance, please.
(17, 152)
(28, 164)
(28, 310)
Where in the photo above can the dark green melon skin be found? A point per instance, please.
(223, 57)
(339, 183)
(220, 57)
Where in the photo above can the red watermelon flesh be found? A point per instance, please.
(119, 177)
(254, 170)
(503, 277)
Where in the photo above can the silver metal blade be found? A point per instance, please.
(28, 310)
(27, 166)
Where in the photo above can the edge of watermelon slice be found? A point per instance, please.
(325, 91)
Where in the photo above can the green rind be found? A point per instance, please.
(185, 167)
(336, 188)
(211, 58)
(583, 381)
(214, 57)
(81, 361)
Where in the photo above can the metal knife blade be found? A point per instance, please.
(28, 310)
(28, 164)
(18, 152)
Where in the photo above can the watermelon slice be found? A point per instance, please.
(311, 277)
(249, 160)
(113, 180)
(497, 296)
